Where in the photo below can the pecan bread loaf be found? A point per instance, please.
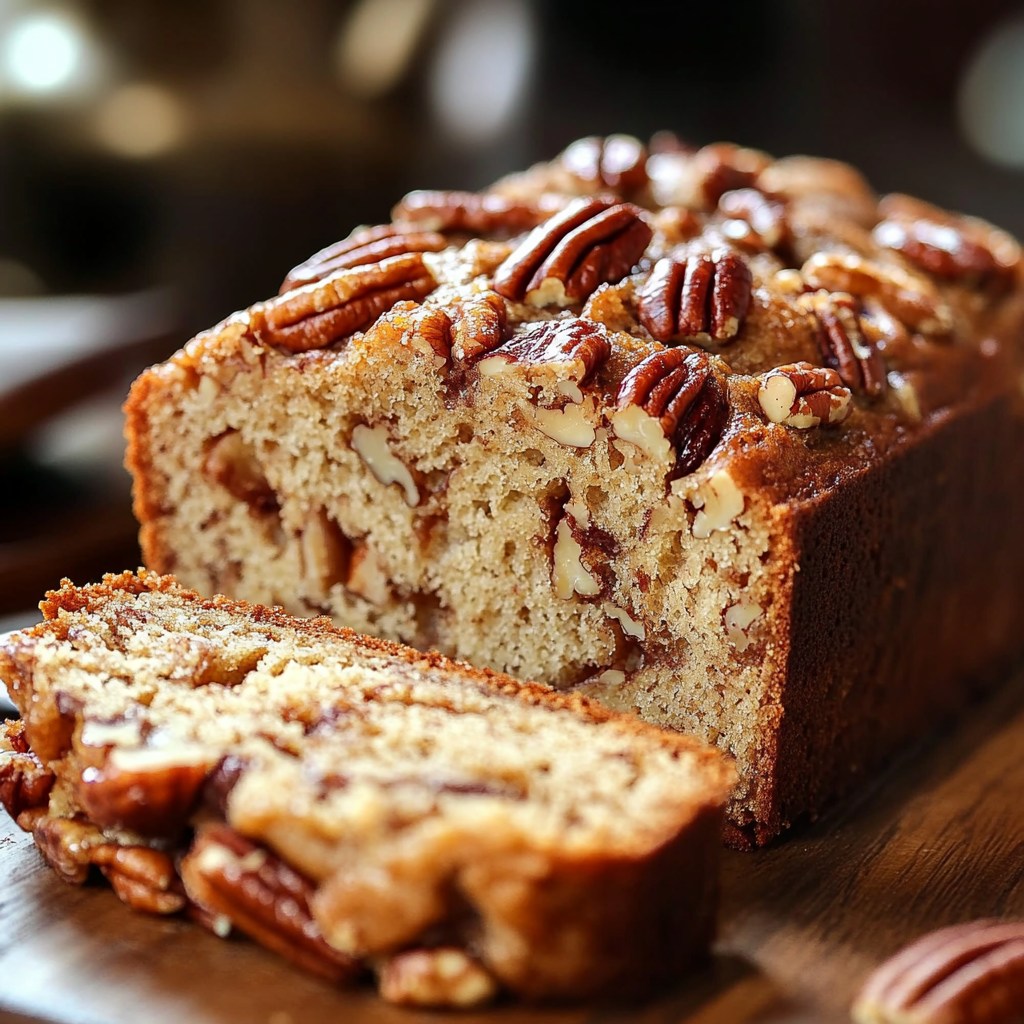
(723, 440)
(354, 804)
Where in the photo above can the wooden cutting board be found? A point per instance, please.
(938, 839)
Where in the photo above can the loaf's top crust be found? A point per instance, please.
(771, 314)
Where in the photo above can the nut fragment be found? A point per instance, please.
(965, 974)
(753, 219)
(326, 552)
(908, 297)
(318, 314)
(25, 783)
(568, 573)
(372, 446)
(738, 619)
(680, 390)
(701, 297)
(362, 247)
(843, 343)
(231, 877)
(590, 242)
(572, 425)
(945, 244)
(471, 213)
(577, 346)
(231, 462)
(803, 395)
(718, 502)
(616, 162)
(439, 977)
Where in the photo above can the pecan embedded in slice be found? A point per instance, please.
(25, 783)
(318, 314)
(701, 297)
(803, 395)
(231, 462)
(683, 393)
(581, 345)
(442, 976)
(471, 213)
(479, 325)
(230, 876)
(968, 973)
(843, 343)
(590, 242)
(362, 247)
(616, 161)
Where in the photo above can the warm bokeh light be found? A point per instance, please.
(140, 120)
(45, 53)
(991, 97)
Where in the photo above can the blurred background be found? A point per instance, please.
(163, 163)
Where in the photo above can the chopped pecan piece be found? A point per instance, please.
(945, 244)
(968, 974)
(803, 395)
(617, 162)
(364, 246)
(753, 219)
(683, 393)
(151, 792)
(25, 783)
(701, 297)
(439, 977)
(580, 344)
(471, 213)
(316, 315)
(590, 242)
(843, 343)
(231, 462)
(230, 876)
(479, 325)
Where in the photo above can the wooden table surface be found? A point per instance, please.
(938, 839)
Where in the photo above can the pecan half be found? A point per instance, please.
(229, 876)
(752, 219)
(842, 341)
(580, 344)
(909, 297)
(969, 974)
(316, 315)
(590, 242)
(803, 395)
(25, 783)
(701, 297)
(684, 394)
(439, 977)
(151, 792)
(616, 161)
(479, 325)
(725, 167)
(471, 213)
(362, 247)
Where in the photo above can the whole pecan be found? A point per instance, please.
(318, 314)
(702, 297)
(725, 167)
(803, 395)
(229, 876)
(590, 242)
(471, 213)
(362, 247)
(616, 161)
(142, 877)
(25, 783)
(752, 219)
(479, 325)
(843, 343)
(680, 389)
(579, 343)
(968, 974)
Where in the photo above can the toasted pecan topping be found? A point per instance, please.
(752, 219)
(471, 213)
(701, 297)
(590, 242)
(318, 314)
(842, 341)
(680, 389)
(803, 395)
(479, 325)
(617, 162)
(363, 247)
(25, 783)
(582, 344)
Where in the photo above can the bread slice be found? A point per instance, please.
(725, 441)
(351, 802)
